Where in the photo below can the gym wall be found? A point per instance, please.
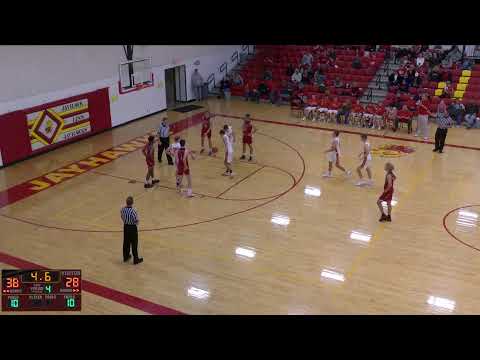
(37, 78)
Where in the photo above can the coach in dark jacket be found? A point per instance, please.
(130, 232)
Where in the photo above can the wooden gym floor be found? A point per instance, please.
(277, 238)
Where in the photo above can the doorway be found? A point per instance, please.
(175, 86)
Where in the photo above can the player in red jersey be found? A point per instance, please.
(387, 194)
(149, 153)
(183, 168)
(248, 131)
(206, 131)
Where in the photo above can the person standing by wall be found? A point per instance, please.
(444, 121)
(164, 136)
(197, 83)
(130, 232)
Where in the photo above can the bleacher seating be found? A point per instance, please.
(276, 58)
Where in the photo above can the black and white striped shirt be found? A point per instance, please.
(164, 131)
(129, 215)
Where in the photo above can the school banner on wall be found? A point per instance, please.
(57, 124)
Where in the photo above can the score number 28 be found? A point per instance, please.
(72, 282)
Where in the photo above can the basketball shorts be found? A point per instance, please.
(207, 133)
(229, 157)
(368, 164)
(332, 156)
(247, 140)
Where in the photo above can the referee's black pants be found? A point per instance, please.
(130, 239)
(164, 144)
(440, 136)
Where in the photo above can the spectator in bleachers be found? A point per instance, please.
(307, 59)
(285, 92)
(393, 79)
(332, 55)
(397, 103)
(290, 70)
(420, 60)
(267, 75)
(456, 111)
(322, 88)
(403, 87)
(251, 93)
(418, 80)
(355, 89)
(237, 79)
(435, 73)
(467, 64)
(338, 83)
(262, 91)
(356, 63)
(318, 77)
(297, 77)
(410, 78)
(224, 86)
(344, 111)
(447, 91)
(471, 116)
(275, 95)
(304, 72)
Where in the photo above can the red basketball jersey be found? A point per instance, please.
(181, 156)
(247, 129)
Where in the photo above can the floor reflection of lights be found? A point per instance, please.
(198, 293)
(312, 191)
(442, 303)
(467, 221)
(360, 236)
(281, 220)
(243, 252)
(333, 275)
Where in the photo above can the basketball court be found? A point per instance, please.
(276, 238)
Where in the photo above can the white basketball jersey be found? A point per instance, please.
(336, 145)
(367, 148)
(228, 143)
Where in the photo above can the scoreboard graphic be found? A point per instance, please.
(41, 290)
(59, 123)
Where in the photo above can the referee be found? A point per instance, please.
(444, 121)
(130, 232)
(164, 135)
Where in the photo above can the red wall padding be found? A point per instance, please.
(14, 136)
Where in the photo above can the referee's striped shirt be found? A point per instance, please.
(129, 215)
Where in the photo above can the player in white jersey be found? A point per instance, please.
(229, 131)
(366, 162)
(173, 148)
(227, 141)
(333, 156)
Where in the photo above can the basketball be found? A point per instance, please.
(214, 150)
